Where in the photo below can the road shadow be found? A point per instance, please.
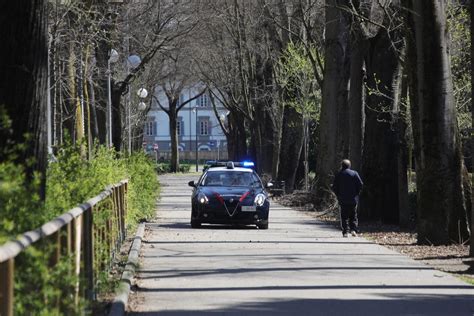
(184, 225)
(235, 272)
(390, 304)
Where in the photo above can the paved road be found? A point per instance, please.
(297, 267)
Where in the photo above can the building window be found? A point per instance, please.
(149, 128)
(204, 127)
(203, 101)
(178, 128)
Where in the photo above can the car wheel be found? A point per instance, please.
(195, 224)
(263, 226)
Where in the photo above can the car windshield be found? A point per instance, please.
(230, 179)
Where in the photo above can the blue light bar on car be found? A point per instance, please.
(248, 164)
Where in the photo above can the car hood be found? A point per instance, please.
(227, 191)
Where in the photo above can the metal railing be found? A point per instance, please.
(76, 234)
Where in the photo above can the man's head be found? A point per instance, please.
(345, 164)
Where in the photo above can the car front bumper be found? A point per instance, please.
(219, 215)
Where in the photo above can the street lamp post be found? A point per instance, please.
(197, 130)
(133, 61)
(142, 93)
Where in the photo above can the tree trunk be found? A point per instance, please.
(71, 121)
(343, 111)
(334, 83)
(236, 140)
(174, 135)
(381, 146)
(405, 214)
(413, 92)
(237, 150)
(265, 125)
(471, 9)
(102, 92)
(23, 78)
(277, 142)
(441, 208)
(292, 144)
(356, 100)
(256, 146)
(116, 118)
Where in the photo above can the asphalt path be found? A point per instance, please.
(299, 266)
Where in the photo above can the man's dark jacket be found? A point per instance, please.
(347, 186)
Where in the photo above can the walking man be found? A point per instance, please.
(347, 186)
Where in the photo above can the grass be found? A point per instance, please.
(466, 279)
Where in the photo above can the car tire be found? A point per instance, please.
(262, 226)
(195, 224)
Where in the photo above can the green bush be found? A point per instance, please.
(71, 180)
(162, 168)
(20, 206)
(37, 289)
(143, 188)
(185, 168)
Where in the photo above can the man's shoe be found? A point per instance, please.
(353, 233)
(344, 235)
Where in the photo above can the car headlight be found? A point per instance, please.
(202, 198)
(259, 199)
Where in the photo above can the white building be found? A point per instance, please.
(197, 125)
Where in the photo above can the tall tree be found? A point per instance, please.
(23, 82)
(149, 29)
(334, 94)
(471, 11)
(173, 90)
(380, 167)
(441, 208)
(301, 83)
(237, 66)
(358, 42)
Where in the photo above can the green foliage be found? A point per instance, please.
(162, 168)
(71, 180)
(295, 75)
(17, 202)
(143, 188)
(40, 290)
(460, 49)
(5, 121)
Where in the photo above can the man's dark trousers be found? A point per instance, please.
(348, 217)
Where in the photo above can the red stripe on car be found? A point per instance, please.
(219, 197)
(244, 196)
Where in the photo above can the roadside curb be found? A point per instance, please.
(119, 305)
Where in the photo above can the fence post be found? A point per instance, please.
(88, 252)
(116, 210)
(122, 212)
(125, 206)
(76, 242)
(6, 287)
(55, 240)
(66, 240)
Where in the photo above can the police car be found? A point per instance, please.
(229, 193)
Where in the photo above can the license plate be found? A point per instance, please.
(248, 209)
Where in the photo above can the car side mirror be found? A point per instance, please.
(269, 185)
(192, 184)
